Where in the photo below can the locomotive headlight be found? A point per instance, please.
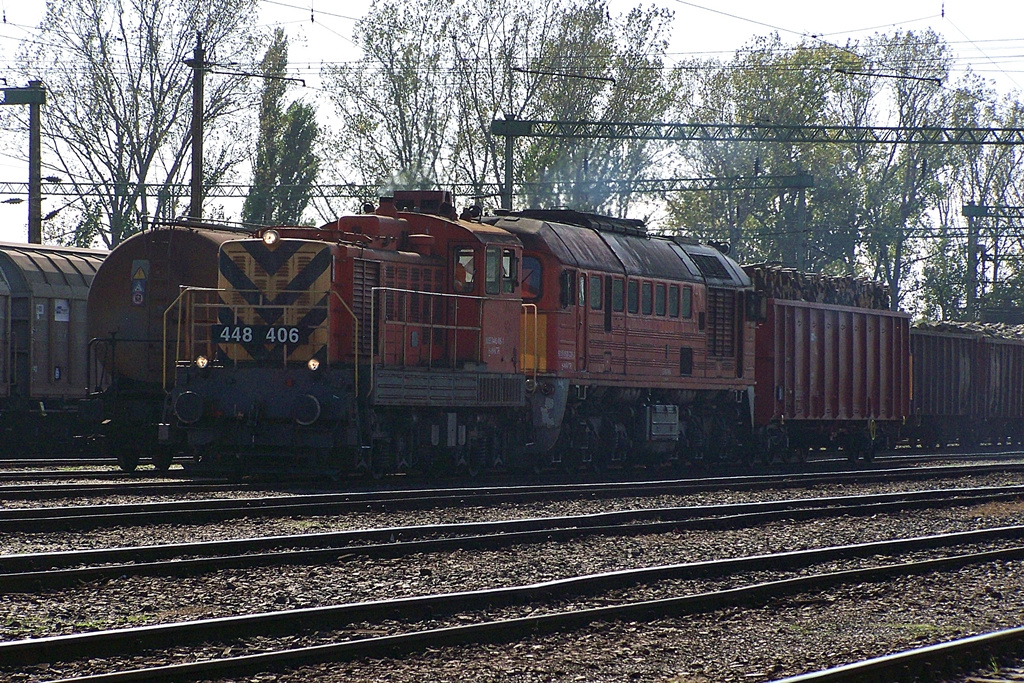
(313, 364)
(202, 362)
(270, 237)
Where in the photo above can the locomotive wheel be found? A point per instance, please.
(381, 460)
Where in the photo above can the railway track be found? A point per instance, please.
(81, 518)
(68, 469)
(942, 660)
(38, 571)
(405, 625)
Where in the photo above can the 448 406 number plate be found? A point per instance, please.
(259, 334)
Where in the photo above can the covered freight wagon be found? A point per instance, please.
(43, 337)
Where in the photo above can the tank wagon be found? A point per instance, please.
(133, 334)
(43, 359)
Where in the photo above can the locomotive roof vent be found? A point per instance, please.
(710, 266)
(623, 226)
(437, 202)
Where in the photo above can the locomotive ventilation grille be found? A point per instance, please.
(274, 301)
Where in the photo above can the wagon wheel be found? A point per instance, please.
(127, 457)
(127, 460)
(381, 460)
(162, 459)
(775, 444)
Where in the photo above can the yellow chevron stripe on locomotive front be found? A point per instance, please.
(275, 300)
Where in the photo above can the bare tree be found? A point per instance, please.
(395, 104)
(118, 114)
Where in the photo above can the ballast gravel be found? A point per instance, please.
(247, 527)
(756, 644)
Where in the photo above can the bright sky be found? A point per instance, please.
(986, 36)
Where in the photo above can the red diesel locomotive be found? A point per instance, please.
(407, 337)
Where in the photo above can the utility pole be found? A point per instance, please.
(34, 96)
(198, 64)
(973, 213)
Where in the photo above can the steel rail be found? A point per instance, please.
(923, 663)
(118, 641)
(213, 510)
(131, 488)
(39, 571)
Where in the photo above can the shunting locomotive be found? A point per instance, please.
(381, 341)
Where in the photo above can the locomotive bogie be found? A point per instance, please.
(230, 409)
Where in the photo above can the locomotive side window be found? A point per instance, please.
(566, 284)
(659, 299)
(492, 271)
(633, 296)
(596, 292)
(673, 301)
(687, 305)
(647, 298)
(465, 268)
(531, 279)
(508, 271)
(581, 290)
(618, 301)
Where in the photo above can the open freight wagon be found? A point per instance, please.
(830, 376)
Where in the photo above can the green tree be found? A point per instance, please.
(118, 111)
(286, 163)
(772, 83)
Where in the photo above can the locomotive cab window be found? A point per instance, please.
(492, 271)
(633, 296)
(499, 271)
(509, 274)
(647, 298)
(531, 279)
(659, 299)
(566, 283)
(673, 301)
(465, 270)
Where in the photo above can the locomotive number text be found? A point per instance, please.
(246, 334)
